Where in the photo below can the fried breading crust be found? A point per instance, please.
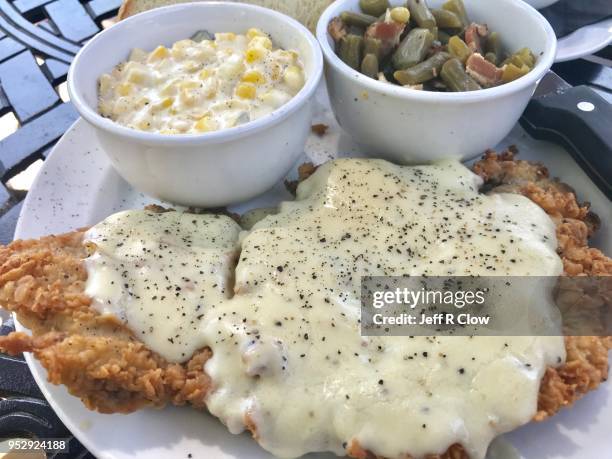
(94, 356)
(587, 357)
(101, 362)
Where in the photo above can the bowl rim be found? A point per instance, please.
(544, 63)
(271, 119)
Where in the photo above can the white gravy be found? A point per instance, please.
(160, 273)
(288, 356)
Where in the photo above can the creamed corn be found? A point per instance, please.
(201, 86)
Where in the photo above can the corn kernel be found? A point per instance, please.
(165, 103)
(144, 125)
(105, 83)
(254, 55)
(187, 96)
(254, 76)
(180, 125)
(179, 48)
(400, 14)
(178, 54)
(246, 90)
(189, 84)
(254, 32)
(275, 98)
(138, 55)
(136, 76)
(227, 36)
(275, 71)
(205, 124)
(158, 53)
(105, 108)
(169, 89)
(123, 89)
(261, 42)
(233, 67)
(203, 53)
(191, 66)
(196, 113)
(122, 105)
(209, 88)
(293, 77)
(204, 74)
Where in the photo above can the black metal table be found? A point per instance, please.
(38, 40)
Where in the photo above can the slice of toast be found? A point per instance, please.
(305, 11)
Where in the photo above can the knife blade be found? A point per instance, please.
(577, 118)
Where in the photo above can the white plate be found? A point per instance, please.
(585, 41)
(582, 42)
(539, 4)
(77, 187)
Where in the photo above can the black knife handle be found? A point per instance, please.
(581, 120)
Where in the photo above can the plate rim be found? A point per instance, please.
(587, 50)
(35, 368)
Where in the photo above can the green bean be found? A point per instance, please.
(526, 56)
(443, 37)
(456, 78)
(435, 85)
(350, 50)
(369, 66)
(455, 31)
(433, 51)
(521, 58)
(372, 46)
(447, 19)
(512, 72)
(493, 44)
(374, 7)
(424, 71)
(420, 13)
(412, 49)
(386, 67)
(491, 57)
(435, 32)
(354, 30)
(202, 35)
(457, 7)
(357, 19)
(459, 49)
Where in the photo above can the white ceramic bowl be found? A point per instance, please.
(204, 170)
(411, 126)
